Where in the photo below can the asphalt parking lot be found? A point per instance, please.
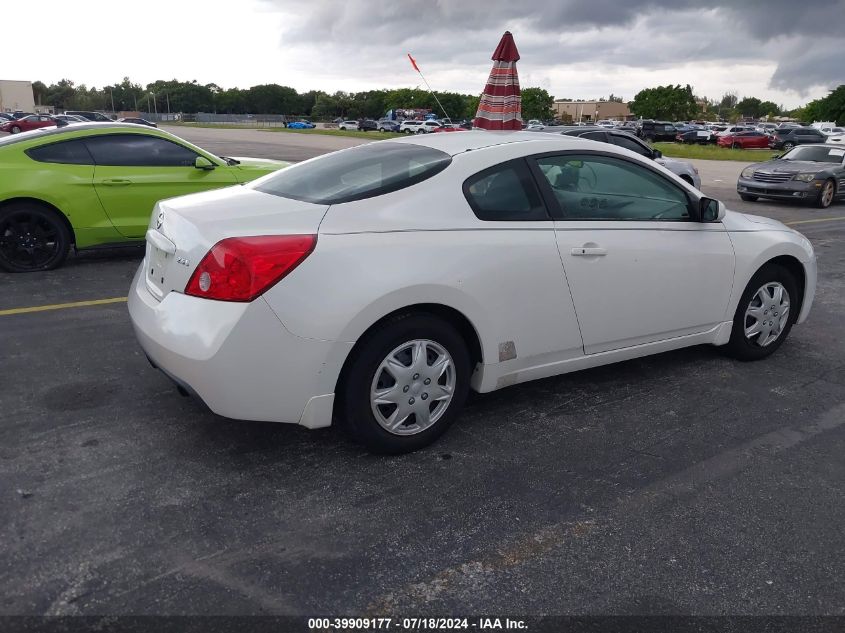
(680, 483)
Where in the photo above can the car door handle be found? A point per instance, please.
(582, 251)
(116, 182)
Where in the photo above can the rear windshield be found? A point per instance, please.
(362, 172)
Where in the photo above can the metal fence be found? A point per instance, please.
(246, 120)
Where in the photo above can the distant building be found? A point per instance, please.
(16, 95)
(591, 111)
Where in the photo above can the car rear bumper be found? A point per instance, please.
(789, 190)
(238, 358)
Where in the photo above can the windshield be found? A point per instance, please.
(354, 174)
(816, 154)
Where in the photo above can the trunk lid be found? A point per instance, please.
(182, 230)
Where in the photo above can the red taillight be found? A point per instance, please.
(242, 268)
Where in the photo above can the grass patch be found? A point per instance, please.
(714, 152)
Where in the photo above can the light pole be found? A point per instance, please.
(155, 107)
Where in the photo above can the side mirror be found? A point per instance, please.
(657, 154)
(710, 210)
(203, 163)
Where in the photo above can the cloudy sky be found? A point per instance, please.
(786, 51)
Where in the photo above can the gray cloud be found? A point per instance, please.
(803, 40)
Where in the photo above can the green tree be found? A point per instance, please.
(326, 107)
(307, 101)
(471, 105)
(231, 101)
(769, 108)
(665, 102)
(125, 95)
(829, 108)
(536, 104)
(749, 107)
(39, 91)
(369, 104)
(272, 99)
(61, 95)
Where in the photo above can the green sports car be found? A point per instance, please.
(93, 184)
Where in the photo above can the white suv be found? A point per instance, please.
(348, 125)
(429, 126)
(410, 127)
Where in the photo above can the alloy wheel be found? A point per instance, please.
(767, 314)
(413, 387)
(827, 194)
(28, 241)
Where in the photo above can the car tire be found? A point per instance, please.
(736, 146)
(788, 146)
(747, 198)
(16, 130)
(827, 194)
(32, 238)
(745, 347)
(396, 340)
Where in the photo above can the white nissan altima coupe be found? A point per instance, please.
(376, 285)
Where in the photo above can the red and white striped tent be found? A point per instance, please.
(500, 107)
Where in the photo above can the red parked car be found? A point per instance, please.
(449, 127)
(31, 122)
(745, 140)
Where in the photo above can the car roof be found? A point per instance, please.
(471, 140)
(48, 132)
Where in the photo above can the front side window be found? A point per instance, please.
(355, 174)
(67, 152)
(604, 188)
(505, 193)
(139, 150)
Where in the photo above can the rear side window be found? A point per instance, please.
(505, 193)
(595, 136)
(362, 172)
(139, 150)
(627, 143)
(67, 152)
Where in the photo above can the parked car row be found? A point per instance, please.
(615, 136)
(405, 127)
(36, 121)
